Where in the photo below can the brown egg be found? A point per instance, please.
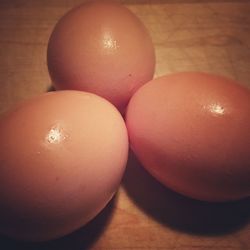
(101, 47)
(192, 132)
(62, 156)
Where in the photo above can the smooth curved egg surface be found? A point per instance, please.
(103, 48)
(62, 156)
(192, 132)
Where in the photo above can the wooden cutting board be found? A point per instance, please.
(211, 36)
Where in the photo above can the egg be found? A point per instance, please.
(103, 48)
(62, 156)
(191, 131)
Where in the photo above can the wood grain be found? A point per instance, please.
(211, 36)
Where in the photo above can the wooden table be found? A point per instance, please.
(211, 36)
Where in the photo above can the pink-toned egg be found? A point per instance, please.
(62, 156)
(101, 47)
(192, 132)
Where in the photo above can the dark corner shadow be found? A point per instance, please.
(81, 239)
(179, 212)
(50, 88)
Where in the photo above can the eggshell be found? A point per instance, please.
(191, 131)
(62, 156)
(101, 47)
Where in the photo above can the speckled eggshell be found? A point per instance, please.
(62, 156)
(191, 131)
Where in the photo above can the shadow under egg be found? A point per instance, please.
(179, 212)
(51, 88)
(81, 239)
